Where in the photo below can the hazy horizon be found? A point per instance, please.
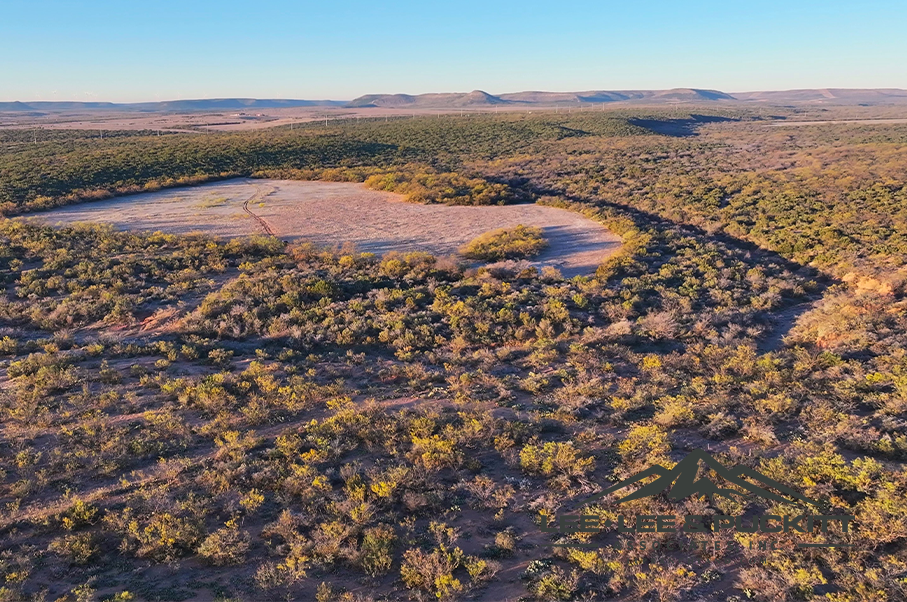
(494, 93)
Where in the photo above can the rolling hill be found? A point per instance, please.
(474, 98)
(836, 96)
(480, 98)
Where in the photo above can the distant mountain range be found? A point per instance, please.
(849, 96)
(480, 99)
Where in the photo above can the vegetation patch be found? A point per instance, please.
(519, 242)
(212, 201)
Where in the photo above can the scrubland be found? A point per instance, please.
(191, 418)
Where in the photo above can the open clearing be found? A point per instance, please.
(198, 122)
(837, 121)
(332, 213)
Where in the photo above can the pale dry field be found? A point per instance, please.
(224, 121)
(199, 122)
(892, 121)
(332, 213)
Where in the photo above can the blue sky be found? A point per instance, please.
(164, 49)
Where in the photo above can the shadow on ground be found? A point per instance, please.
(778, 322)
(678, 127)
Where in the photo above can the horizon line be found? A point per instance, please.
(301, 99)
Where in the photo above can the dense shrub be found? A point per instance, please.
(520, 242)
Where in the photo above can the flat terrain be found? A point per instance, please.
(831, 122)
(233, 121)
(332, 213)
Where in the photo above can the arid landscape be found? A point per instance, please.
(288, 363)
(453, 302)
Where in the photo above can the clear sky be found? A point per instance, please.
(165, 49)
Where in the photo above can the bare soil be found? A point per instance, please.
(332, 213)
(837, 121)
(199, 122)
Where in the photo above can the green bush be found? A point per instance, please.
(227, 545)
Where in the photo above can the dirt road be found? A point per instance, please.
(245, 207)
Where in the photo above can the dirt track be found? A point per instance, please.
(329, 213)
(264, 225)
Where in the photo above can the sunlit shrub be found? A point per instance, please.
(519, 242)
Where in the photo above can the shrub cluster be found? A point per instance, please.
(519, 242)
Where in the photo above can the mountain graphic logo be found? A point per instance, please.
(685, 484)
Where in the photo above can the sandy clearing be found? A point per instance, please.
(891, 121)
(331, 213)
